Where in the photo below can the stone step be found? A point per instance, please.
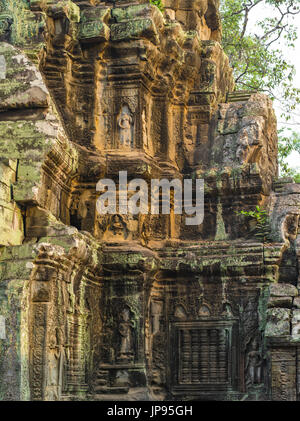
(238, 96)
(280, 184)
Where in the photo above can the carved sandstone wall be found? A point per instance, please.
(139, 306)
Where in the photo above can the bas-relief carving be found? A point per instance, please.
(126, 331)
(129, 117)
(116, 114)
(253, 364)
(118, 226)
(56, 366)
(152, 227)
(126, 128)
(251, 343)
(112, 227)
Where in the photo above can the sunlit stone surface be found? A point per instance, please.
(128, 307)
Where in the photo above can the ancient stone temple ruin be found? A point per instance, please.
(144, 307)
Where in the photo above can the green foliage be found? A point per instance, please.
(256, 55)
(297, 178)
(262, 229)
(286, 145)
(158, 4)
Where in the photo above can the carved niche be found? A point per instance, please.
(112, 227)
(126, 337)
(125, 125)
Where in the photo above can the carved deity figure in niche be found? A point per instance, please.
(111, 227)
(126, 327)
(253, 364)
(125, 125)
(56, 362)
(118, 226)
(145, 229)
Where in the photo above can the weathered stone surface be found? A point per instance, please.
(282, 290)
(296, 302)
(278, 322)
(123, 306)
(283, 368)
(296, 324)
(29, 119)
(284, 206)
(246, 133)
(93, 25)
(12, 232)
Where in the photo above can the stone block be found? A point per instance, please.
(92, 27)
(296, 324)
(134, 29)
(278, 322)
(283, 290)
(296, 302)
